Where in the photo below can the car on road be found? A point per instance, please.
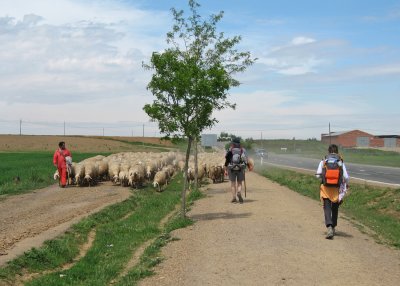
(261, 153)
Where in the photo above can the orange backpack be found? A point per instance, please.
(332, 170)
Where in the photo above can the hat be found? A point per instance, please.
(236, 140)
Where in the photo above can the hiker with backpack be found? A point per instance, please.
(235, 165)
(334, 184)
(62, 159)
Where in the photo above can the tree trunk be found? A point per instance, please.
(196, 166)
(183, 205)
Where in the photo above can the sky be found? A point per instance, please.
(75, 67)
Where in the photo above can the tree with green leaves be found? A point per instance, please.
(192, 77)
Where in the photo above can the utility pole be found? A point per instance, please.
(20, 127)
(143, 129)
(294, 144)
(330, 140)
(103, 131)
(64, 128)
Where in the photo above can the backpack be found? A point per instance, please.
(238, 159)
(332, 170)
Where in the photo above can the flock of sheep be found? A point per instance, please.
(138, 168)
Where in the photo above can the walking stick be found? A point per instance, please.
(245, 187)
(68, 173)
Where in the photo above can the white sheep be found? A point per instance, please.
(160, 180)
(170, 170)
(102, 167)
(136, 175)
(250, 164)
(190, 177)
(181, 165)
(79, 173)
(91, 173)
(151, 169)
(113, 171)
(123, 178)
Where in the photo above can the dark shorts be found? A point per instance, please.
(236, 175)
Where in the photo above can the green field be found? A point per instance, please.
(34, 169)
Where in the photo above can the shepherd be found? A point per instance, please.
(62, 160)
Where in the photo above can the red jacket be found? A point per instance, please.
(59, 157)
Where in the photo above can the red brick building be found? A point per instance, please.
(389, 141)
(358, 138)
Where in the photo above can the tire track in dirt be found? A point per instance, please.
(30, 219)
(25, 277)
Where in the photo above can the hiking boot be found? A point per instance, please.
(329, 234)
(234, 200)
(240, 198)
(334, 231)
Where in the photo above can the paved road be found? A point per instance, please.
(383, 175)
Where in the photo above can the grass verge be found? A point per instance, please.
(120, 230)
(376, 208)
(151, 256)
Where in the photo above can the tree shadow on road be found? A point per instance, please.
(221, 215)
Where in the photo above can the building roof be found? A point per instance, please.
(388, 136)
(342, 132)
(336, 133)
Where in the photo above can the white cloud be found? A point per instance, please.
(350, 74)
(283, 114)
(371, 71)
(69, 62)
(281, 103)
(299, 56)
(292, 65)
(96, 53)
(298, 41)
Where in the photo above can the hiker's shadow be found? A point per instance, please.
(249, 201)
(221, 215)
(343, 234)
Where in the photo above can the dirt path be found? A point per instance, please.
(28, 220)
(275, 238)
